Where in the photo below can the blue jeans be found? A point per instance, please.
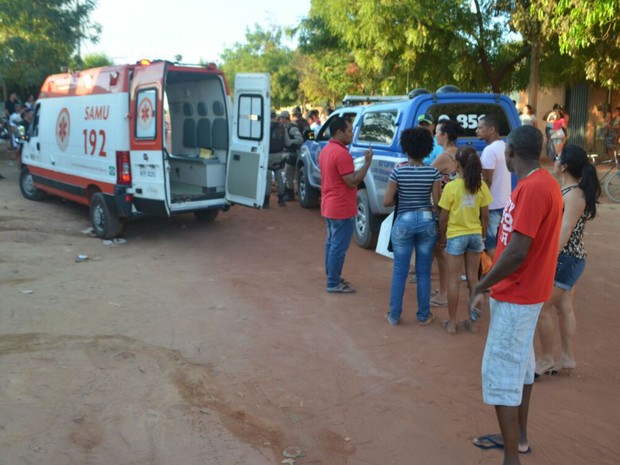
(339, 235)
(413, 229)
(495, 218)
(550, 150)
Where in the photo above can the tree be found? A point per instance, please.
(587, 31)
(38, 37)
(264, 52)
(327, 69)
(402, 42)
(96, 60)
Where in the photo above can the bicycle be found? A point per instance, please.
(611, 179)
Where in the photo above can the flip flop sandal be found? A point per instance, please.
(491, 441)
(438, 303)
(449, 328)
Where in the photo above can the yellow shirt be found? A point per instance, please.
(464, 207)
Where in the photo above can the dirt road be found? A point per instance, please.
(216, 343)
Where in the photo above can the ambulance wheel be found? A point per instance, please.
(26, 185)
(206, 215)
(105, 225)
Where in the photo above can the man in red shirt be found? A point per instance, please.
(521, 280)
(339, 182)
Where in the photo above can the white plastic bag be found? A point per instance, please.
(384, 237)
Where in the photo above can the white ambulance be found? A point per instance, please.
(150, 138)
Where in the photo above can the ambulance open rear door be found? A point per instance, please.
(249, 150)
(149, 168)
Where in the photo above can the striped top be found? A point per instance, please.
(414, 186)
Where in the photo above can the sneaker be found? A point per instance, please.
(341, 289)
(463, 278)
(390, 320)
(413, 279)
(429, 319)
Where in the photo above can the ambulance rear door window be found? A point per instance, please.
(146, 114)
(250, 117)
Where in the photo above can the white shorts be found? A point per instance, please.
(508, 362)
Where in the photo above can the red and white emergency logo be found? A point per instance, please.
(63, 129)
(145, 113)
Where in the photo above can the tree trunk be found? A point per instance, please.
(534, 62)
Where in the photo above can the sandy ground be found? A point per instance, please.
(216, 344)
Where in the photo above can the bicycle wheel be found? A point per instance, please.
(612, 187)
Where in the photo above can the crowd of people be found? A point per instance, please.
(17, 114)
(16, 119)
(287, 135)
(457, 207)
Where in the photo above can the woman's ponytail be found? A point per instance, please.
(579, 166)
(468, 158)
(591, 187)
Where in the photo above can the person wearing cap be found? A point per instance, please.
(277, 143)
(292, 151)
(425, 120)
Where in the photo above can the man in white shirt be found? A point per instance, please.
(495, 174)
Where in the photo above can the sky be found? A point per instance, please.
(195, 29)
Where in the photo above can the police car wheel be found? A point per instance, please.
(366, 224)
(26, 185)
(308, 195)
(105, 225)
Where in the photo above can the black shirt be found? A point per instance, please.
(9, 106)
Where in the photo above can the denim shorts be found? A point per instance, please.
(460, 244)
(568, 271)
(495, 218)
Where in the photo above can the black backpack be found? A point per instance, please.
(276, 137)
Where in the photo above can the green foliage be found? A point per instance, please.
(401, 44)
(264, 52)
(38, 37)
(587, 31)
(96, 60)
(326, 66)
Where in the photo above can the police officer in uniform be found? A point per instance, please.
(292, 152)
(277, 142)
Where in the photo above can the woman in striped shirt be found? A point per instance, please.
(415, 225)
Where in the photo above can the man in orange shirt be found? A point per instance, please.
(521, 280)
(339, 182)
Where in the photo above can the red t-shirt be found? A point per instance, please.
(535, 210)
(337, 199)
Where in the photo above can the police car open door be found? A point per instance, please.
(248, 157)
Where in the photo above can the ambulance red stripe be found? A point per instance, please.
(70, 180)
